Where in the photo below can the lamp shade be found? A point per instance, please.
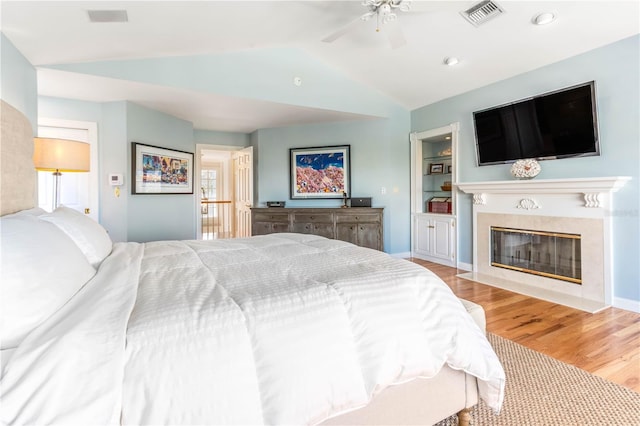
(61, 155)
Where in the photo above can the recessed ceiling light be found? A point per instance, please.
(544, 18)
(451, 61)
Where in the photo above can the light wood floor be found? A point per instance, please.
(606, 344)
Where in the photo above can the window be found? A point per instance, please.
(208, 180)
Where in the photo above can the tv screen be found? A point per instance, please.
(554, 125)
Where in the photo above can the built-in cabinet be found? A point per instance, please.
(358, 225)
(435, 237)
(433, 195)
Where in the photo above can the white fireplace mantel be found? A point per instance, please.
(581, 206)
(546, 186)
(590, 188)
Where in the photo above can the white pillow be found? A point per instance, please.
(89, 235)
(42, 269)
(36, 211)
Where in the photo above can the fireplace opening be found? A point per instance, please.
(550, 254)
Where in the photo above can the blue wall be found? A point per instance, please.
(380, 147)
(19, 86)
(379, 158)
(134, 217)
(615, 69)
(159, 217)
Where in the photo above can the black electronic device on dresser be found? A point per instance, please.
(360, 201)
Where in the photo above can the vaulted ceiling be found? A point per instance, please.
(412, 74)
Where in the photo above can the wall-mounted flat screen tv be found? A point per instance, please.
(553, 125)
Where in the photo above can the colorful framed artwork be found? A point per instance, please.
(157, 170)
(320, 172)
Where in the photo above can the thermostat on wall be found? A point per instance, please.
(115, 179)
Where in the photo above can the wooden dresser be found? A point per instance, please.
(358, 225)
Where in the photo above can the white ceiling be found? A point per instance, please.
(53, 32)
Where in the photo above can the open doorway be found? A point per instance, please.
(78, 190)
(224, 193)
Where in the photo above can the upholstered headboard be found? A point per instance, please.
(17, 173)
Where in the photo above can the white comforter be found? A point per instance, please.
(285, 329)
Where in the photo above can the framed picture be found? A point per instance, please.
(449, 169)
(159, 170)
(436, 168)
(320, 172)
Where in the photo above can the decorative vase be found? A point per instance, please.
(525, 169)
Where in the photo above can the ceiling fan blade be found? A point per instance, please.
(342, 31)
(396, 37)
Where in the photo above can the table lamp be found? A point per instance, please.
(60, 155)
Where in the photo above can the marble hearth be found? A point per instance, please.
(574, 206)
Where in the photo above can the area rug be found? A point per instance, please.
(542, 391)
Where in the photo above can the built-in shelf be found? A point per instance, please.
(433, 230)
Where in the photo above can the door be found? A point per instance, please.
(243, 183)
(78, 191)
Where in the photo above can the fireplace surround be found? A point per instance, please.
(576, 207)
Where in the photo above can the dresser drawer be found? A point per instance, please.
(270, 217)
(359, 218)
(313, 218)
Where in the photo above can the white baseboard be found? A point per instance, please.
(405, 255)
(465, 266)
(627, 304)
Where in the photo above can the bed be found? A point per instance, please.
(275, 329)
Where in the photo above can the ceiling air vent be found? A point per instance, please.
(108, 16)
(482, 12)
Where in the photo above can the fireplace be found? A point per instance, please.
(549, 254)
(548, 239)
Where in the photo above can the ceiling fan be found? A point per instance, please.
(385, 12)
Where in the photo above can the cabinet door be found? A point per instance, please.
(347, 232)
(368, 235)
(321, 229)
(264, 228)
(441, 238)
(264, 223)
(424, 230)
(313, 223)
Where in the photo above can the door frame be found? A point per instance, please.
(228, 178)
